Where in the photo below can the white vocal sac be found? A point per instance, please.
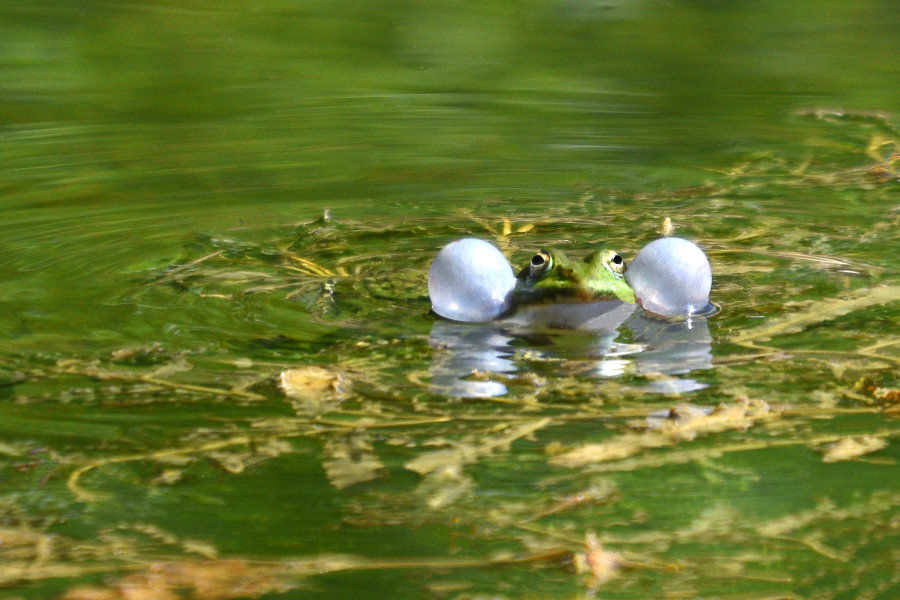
(670, 277)
(470, 280)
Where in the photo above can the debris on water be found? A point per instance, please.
(210, 580)
(463, 454)
(665, 428)
(314, 388)
(350, 459)
(849, 448)
(602, 564)
(818, 312)
(601, 492)
(143, 354)
(443, 487)
(681, 414)
(666, 228)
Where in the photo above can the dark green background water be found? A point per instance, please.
(138, 136)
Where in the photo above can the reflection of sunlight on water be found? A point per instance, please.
(462, 349)
(611, 367)
(661, 350)
(674, 386)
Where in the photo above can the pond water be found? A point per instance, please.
(219, 376)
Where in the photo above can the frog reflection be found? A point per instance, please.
(671, 348)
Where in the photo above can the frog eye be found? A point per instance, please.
(540, 264)
(614, 263)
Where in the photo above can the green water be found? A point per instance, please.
(166, 167)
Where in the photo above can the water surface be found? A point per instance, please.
(208, 387)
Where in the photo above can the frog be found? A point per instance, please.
(553, 278)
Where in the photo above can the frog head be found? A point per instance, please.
(551, 277)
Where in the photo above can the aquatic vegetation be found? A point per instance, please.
(372, 421)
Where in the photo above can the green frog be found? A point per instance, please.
(552, 277)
